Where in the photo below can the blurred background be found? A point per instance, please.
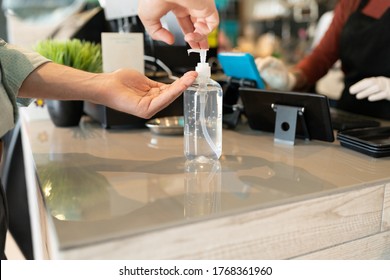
(286, 29)
(283, 28)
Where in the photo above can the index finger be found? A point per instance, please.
(170, 92)
(361, 85)
(196, 40)
(158, 32)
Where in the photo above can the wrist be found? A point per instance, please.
(98, 87)
(299, 79)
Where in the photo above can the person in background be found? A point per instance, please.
(25, 74)
(359, 37)
(197, 19)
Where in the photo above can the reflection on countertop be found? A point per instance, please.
(94, 198)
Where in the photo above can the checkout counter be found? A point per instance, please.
(95, 193)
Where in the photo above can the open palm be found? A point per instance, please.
(140, 96)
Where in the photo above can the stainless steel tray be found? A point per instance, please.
(167, 125)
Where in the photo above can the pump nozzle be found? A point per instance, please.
(203, 68)
(202, 53)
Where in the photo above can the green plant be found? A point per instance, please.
(75, 53)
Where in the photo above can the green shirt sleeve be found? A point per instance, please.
(15, 65)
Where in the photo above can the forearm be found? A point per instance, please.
(124, 90)
(54, 81)
(327, 52)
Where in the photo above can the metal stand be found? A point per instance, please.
(286, 123)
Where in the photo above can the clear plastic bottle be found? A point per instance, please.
(203, 115)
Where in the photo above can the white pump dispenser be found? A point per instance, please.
(203, 68)
(203, 114)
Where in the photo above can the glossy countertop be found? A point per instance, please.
(102, 184)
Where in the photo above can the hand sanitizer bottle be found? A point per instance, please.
(203, 114)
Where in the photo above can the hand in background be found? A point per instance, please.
(197, 19)
(374, 88)
(275, 73)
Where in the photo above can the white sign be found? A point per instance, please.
(123, 50)
(114, 9)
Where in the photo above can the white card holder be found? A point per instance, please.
(123, 50)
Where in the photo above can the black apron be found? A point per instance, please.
(364, 53)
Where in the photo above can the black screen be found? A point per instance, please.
(261, 116)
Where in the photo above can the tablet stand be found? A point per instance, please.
(286, 123)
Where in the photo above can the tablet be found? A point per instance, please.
(240, 65)
(313, 123)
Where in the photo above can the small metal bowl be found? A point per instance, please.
(167, 125)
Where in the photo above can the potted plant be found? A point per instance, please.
(75, 53)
